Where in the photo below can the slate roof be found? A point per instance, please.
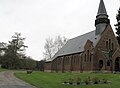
(76, 45)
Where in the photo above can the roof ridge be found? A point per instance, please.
(83, 34)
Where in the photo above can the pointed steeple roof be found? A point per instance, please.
(101, 18)
(102, 9)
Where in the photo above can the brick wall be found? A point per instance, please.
(47, 66)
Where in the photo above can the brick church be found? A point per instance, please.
(94, 51)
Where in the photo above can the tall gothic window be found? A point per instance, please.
(77, 59)
(87, 55)
(90, 57)
(66, 60)
(110, 44)
(74, 59)
(107, 45)
(59, 61)
(108, 63)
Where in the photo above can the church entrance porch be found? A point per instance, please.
(117, 64)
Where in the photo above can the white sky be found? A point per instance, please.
(40, 19)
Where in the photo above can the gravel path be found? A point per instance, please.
(8, 80)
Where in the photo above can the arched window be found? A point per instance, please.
(108, 63)
(59, 61)
(100, 64)
(107, 45)
(68, 59)
(87, 55)
(110, 44)
(74, 59)
(77, 59)
(90, 57)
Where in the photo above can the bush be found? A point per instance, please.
(78, 80)
(71, 81)
(104, 81)
(96, 80)
(65, 81)
(29, 71)
(86, 81)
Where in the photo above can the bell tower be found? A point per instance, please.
(101, 19)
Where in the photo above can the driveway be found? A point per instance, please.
(8, 80)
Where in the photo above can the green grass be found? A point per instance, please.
(2, 69)
(54, 80)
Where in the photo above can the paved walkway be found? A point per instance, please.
(8, 80)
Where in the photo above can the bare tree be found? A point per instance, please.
(49, 48)
(59, 43)
(53, 46)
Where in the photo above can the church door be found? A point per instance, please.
(117, 64)
(100, 65)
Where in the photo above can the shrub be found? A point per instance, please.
(96, 80)
(104, 80)
(86, 81)
(71, 81)
(78, 80)
(29, 71)
(65, 81)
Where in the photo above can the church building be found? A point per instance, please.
(94, 51)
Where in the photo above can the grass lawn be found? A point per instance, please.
(2, 69)
(55, 80)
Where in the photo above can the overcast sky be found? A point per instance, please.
(37, 20)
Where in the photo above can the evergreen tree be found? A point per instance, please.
(13, 52)
(118, 26)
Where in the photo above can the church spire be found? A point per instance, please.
(101, 18)
(102, 9)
